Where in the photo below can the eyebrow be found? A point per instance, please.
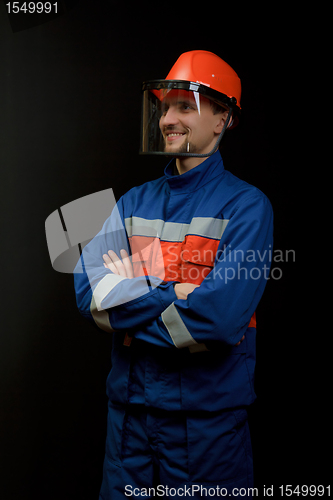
(180, 102)
(188, 102)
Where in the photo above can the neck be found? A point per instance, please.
(186, 163)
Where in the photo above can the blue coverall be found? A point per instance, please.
(179, 385)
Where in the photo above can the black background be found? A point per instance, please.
(69, 126)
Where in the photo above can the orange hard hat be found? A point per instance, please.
(206, 68)
(199, 73)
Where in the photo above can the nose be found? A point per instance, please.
(169, 117)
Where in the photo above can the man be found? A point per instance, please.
(176, 274)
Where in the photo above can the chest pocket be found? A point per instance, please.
(197, 258)
(147, 258)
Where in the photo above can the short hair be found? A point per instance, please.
(218, 108)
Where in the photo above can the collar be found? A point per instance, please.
(196, 177)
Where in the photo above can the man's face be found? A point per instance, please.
(189, 124)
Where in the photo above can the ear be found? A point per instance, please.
(221, 118)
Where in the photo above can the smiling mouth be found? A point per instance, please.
(172, 136)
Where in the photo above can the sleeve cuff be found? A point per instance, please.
(167, 293)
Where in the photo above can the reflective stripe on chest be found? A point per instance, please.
(175, 251)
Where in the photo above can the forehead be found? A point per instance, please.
(176, 95)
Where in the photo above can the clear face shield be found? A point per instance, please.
(182, 118)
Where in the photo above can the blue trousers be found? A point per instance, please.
(152, 453)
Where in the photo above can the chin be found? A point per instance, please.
(169, 148)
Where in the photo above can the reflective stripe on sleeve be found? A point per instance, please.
(104, 287)
(198, 348)
(178, 332)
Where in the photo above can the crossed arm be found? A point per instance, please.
(123, 267)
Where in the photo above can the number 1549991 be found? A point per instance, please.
(304, 491)
(32, 7)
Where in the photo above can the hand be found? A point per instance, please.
(121, 266)
(241, 340)
(182, 290)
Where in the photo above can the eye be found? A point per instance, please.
(186, 106)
